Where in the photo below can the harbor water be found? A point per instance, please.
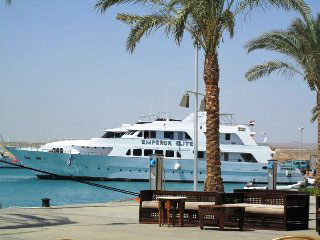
(21, 188)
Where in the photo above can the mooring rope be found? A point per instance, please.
(73, 178)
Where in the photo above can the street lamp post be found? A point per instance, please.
(195, 146)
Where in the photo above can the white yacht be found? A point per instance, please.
(122, 154)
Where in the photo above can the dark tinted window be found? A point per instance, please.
(168, 135)
(186, 136)
(180, 135)
(169, 153)
(146, 134)
(153, 134)
(140, 134)
(178, 154)
(132, 132)
(226, 157)
(108, 135)
(137, 152)
(227, 137)
(117, 135)
(160, 152)
(148, 152)
(200, 154)
(128, 152)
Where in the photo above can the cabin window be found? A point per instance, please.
(121, 134)
(248, 157)
(148, 152)
(128, 152)
(140, 134)
(108, 135)
(168, 135)
(186, 136)
(146, 134)
(117, 135)
(169, 153)
(160, 152)
(227, 136)
(152, 134)
(137, 152)
(226, 156)
(61, 150)
(200, 154)
(180, 135)
(178, 155)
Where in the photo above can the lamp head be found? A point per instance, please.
(185, 101)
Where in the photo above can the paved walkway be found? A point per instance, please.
(117, 220)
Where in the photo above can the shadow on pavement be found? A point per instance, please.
(16, 221)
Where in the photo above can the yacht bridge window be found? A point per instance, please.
(113, 135)
(149, 134)
(168, 135)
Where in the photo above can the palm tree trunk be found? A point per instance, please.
(317, 180)
(213, 182)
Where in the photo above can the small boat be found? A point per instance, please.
(292, 187)
(310, 181)
(6, 158)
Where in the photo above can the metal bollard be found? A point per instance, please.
(45, 202)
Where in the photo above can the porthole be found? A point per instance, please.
(139, 170)
(108, 169)
(98, 168)
(191, 172)
(145, 170)
(120, 170)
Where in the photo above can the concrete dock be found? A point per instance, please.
(117, 220)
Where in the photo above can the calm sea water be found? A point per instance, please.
(21, 188)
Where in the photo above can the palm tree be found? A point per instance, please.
(206, 21)
(300, 43)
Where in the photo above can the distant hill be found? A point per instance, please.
(294, 144)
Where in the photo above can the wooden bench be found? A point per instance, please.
(148, 210)
(267, 209)
(264, 209)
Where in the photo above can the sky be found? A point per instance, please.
(65, 73)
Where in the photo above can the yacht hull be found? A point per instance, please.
(114, 168)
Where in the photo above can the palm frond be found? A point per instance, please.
(297, 5)
(103, 5)
(267, 68)
(229, 22)
(143, 26)
(314, 112)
